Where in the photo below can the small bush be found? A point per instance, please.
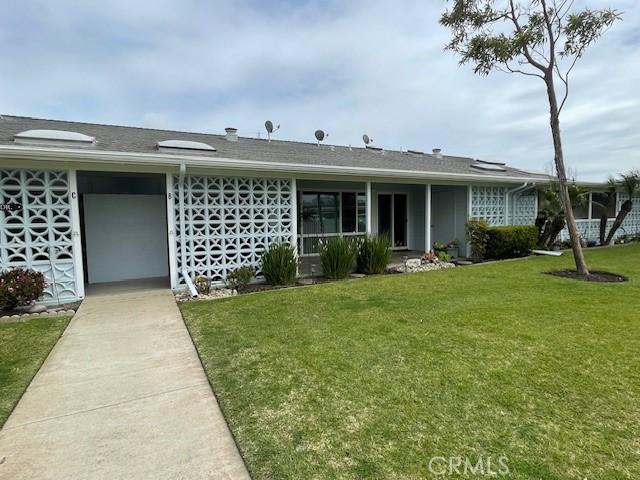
(20, 287)
(478, 235)
(239, 278)
(337, 257)
(374, 254)
(202, 284)
(444, 256)
(511, 241)
(279, 264)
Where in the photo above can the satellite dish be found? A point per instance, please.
(319, 135)
(269, 126)
(366, 139)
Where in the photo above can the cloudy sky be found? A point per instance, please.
(349, 68)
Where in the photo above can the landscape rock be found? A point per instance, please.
(37, 309)
(413, 263)
(421, 267)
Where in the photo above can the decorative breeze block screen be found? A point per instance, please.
(590, 229)
(229, 222)
(38, 234)
(524, 208)
(488, 203)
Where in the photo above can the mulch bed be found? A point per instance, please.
(594, 276)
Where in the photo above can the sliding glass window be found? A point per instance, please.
(326, 214)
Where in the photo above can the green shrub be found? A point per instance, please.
(444, 256)
(337, 257)
(279, 264)
(20, 287)
(374, 254)
(511, 241)
(239, 278)
(477, 235)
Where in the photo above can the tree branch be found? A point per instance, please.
(552, 38)
(509, 69)
(526, 52)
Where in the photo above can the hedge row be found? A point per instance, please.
(510, 241)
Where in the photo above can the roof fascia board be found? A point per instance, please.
(169, 160)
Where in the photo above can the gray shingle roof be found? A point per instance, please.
(144, 140)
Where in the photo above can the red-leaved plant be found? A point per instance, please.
(20, 287)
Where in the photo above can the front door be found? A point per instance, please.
(392, 218)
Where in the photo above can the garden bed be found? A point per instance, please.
(594, 276)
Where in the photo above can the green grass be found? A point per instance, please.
(371, 378)
(23, 348)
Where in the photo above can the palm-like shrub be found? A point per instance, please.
(279, 264)
(374, 254)
(337, 257)
(630, 184)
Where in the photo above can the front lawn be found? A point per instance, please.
(23, 348)
(372, 378)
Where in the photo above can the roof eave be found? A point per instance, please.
(172, 160)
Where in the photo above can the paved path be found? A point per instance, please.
(122, 396)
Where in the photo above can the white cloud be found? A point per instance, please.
(347, 67)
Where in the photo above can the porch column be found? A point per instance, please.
(294, 215)
(368, 197)
(427, 217)
(78, 265)
(171, 233)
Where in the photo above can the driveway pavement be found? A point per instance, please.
(122, 396)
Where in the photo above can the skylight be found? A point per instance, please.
(56, 137)
(489, 166)
(177, 145)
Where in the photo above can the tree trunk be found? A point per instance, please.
(557, 225)
(604, 218)
(578, 256)
(622, 214)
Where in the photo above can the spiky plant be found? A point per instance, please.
(374, 254)
(630, 184)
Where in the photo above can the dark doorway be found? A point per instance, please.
(384, 214)
(399, 220)
(392, 218)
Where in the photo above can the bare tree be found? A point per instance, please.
(535, 38)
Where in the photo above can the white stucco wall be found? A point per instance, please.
(126, 237)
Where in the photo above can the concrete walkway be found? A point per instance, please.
(122, 396)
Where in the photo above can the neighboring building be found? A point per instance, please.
(89, 203)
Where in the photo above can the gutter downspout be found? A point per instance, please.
(522, 187)
(183, 253)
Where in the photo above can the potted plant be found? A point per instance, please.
(453, 248)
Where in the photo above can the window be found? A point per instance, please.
(600, 199)
(330, 214)
(581, 211)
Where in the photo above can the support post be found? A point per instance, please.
(294, 215)
(427, 217)
(78, 266)
(368, 198)
(171, 232)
